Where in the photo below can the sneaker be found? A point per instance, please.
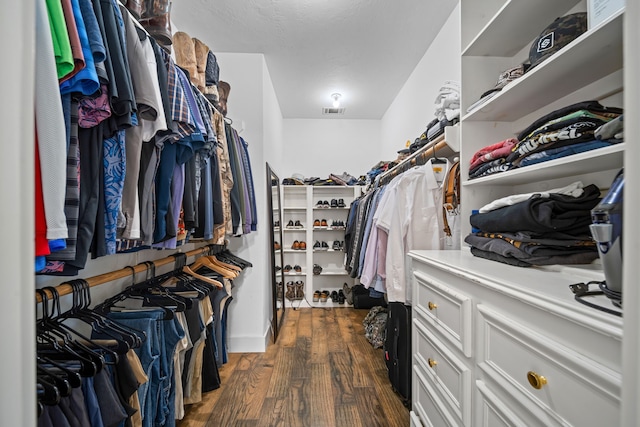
(290, 224)
(287, 268)
(334, 203)
(324, 246)
(297, 224)
(320, 204)
(325, 204)
(336, 245)
(297, 268)
(317, 245)
(316, 296)
(341, 203)
(316, 223)
(323, 296)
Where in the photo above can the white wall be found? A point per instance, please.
(319, 147)
(248, 316)
(413, 107)
(17, 317)
(273, 124)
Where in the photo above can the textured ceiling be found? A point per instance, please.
(363, 49)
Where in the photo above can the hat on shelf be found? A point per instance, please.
(557, 35)
(506, 77)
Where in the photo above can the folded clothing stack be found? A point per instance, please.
(569, 130)
(543, 229)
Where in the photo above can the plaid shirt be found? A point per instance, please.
(180, 114)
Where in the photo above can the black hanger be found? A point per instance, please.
(435, 159)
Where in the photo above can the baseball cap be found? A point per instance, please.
(557, 35)
(506, 77)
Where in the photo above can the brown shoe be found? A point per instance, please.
(295, 245)
(303, 246)
(160, 28)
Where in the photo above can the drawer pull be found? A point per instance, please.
(432, 305)
(536, 381)
(431, 362)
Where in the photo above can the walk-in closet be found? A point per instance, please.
(302, 213)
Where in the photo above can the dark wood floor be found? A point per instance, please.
(322, 372)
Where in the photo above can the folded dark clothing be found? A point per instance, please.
(492, 170)
(593, 106)
(573, 133)
(559, 152)
(569, 119)
(541, 216)
(566, 260)
(524, 237)
(534, 254)
(499, 258)
(483, 167)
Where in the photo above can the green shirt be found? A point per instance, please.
(61, 44)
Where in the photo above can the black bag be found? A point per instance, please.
(361, 298)
(397, 349)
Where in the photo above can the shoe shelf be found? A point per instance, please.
(299, 204)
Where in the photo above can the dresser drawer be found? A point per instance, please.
(427, 403)
(444, 370)
(544, 378)
(494, 412)
(445, 309)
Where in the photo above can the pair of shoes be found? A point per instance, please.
(287, 268)
(292, 224)
(279, 291)
(317, 269)
(320, 223)
(337, 224)
(297, 268)
(276, 246)
(299, 245)
(338, 245)
(295, 290)
(320, 246)
(276, 224)
(322, 204)
(337, 203)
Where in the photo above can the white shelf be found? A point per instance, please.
(328, 229)
(294, 208)
(333, 273)
(330, 209)
(515, 25)
(325, 250)
(592, 56)
(601, 159)
(294, 229)
(301, 251)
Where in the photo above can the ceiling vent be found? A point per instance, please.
(332, 111)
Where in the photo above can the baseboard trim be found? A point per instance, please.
(254, 344)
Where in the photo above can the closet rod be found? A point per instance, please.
(65, 288)
(417, 158)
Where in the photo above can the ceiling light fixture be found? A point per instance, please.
(336, 99)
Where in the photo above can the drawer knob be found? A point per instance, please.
(432, 305)
(431, 362)
(536, 381)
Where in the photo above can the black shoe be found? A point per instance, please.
(341, 203)
(317, 245)
(290, 224)
(297, 268)
(297, 224)
(320, 204)
(336, 245)
(341, 297)
(325, 204)
(317, 269)
(334, 203)
(325, 246)
(334, 296)
(287, 268)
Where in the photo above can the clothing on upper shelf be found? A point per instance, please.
(388, 222)
(132, 154)
(563, 132)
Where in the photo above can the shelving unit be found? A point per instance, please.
(479, 326)
(299, 203)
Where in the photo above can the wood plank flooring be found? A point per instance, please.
(322, 372)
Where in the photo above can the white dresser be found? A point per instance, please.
(497, 345)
